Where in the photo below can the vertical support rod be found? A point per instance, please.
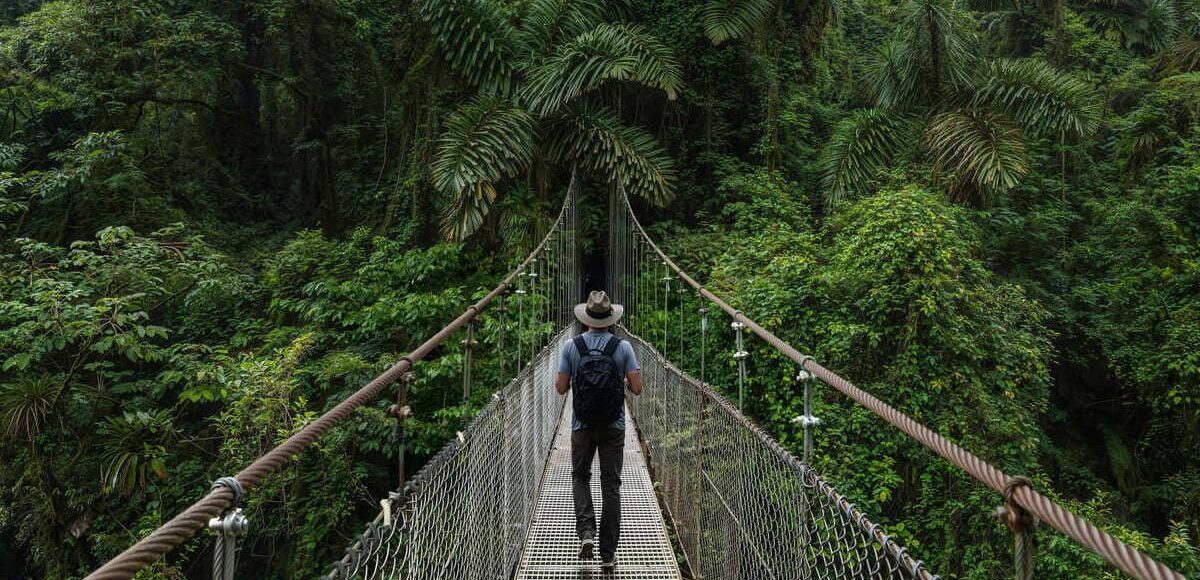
(500, 337)
(740, 355)
(703, 334)
(666, 305)
(520, 321)
(681, 292)
(227, 528)
(401, 412)
(807, 421)
(1022, 524)
(468, 351)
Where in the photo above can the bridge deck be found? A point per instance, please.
(552, 550)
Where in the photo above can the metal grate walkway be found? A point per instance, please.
(552, 549)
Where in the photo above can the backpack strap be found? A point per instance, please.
(610, 347)
(580, 346)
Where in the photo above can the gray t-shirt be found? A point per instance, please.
(624, 358)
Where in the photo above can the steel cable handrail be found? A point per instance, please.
(1120, 554)
(219, 498)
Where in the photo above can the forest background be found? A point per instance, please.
(220, 217)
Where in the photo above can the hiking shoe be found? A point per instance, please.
(587, 545)
(608, 563)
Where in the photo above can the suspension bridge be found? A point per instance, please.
(707, 494)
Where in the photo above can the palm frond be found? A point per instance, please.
(1148, 24)
(1185, 54)
(465, 210)
(548, 22)
(982, 151)
(606, 52)
(486, 140)
(476, 40)
(595, 138)
(860, 147)
(733, 19)
(941, 38)
(1043, 100)
(894, 74)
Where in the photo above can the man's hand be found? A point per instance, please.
(634, 379)
(563, 383)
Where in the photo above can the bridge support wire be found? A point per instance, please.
(1116, 552)
(184, 525)
(743, 507)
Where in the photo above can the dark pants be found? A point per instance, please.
(611, 445)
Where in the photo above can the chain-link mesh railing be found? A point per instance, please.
(655, 292)
(535, 301)
(465, 514)
(742, 505)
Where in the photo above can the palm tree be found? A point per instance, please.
(1148, 25)
(541, 87)
(972, 117)
(1184, 53)
(767, 25)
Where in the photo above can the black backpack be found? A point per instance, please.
(598, 384)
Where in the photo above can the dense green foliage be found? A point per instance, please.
(220, 217)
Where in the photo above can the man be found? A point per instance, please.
(597, 366)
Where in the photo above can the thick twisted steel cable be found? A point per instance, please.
(1118, 553)
(186, 523)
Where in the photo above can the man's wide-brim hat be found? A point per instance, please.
(599, 311)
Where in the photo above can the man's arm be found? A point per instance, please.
(563, 382)
(635, 381)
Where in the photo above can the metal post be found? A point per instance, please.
(227, 528)
(533, 276)
(468, 350)
(500, 338)
(703, 334)
(740, 355)
(681, 293)
(807, 421)
(520, 321)
(666, 305)
(401, 412)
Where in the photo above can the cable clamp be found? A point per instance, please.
(1012, 514)
(806, 421)
(234, 485)
(233, 523)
